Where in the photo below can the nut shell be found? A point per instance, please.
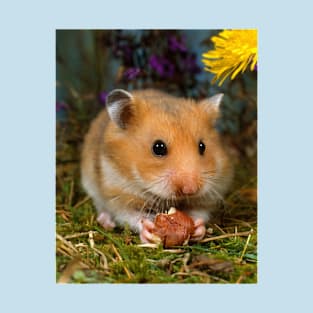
(174, 228)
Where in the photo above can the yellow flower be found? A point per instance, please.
(233, 52)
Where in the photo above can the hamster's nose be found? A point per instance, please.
(186, 186)
(189, 189)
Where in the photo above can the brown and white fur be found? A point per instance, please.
(129, 184)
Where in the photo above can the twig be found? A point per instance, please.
(244, 233)
(198, 273)
(239, 280)
(245, 247)
(148, 245)
(103, 258)
(90, 239)
(86, 233)
(244, 223)
(186, 259)
(193, 273)
(219, 279)
(220, 229)
(177, 251)
(128, 273)
(70, 269)
(67, 244)
(155, 246)
(102, 255)
(78, 204)
(64, 214)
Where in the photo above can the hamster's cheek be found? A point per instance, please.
(153, 181)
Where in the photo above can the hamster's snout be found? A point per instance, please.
(185, 184)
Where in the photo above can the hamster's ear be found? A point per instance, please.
(119, 106)
(213, 103)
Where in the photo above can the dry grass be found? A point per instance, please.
(86, 253)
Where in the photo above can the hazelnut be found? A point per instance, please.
(173, 228)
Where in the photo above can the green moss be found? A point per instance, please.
(115, 257)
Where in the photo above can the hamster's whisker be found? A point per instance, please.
(213, 190)
(143, 207)
(151, 204)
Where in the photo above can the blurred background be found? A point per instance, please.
(90, 63)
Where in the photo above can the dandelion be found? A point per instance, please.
(234, 51)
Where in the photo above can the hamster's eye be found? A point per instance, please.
(159, 148)
(201, 147)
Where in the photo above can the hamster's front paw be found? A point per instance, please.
(104, 219)
(199, 231)
(146, 232)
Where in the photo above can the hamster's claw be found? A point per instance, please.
(104, 219)
(200, 230)
(146, 232)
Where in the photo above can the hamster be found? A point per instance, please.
(148, 151)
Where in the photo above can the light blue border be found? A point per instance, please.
(28, 156)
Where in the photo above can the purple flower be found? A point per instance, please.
(102, 96)
(190, 64)
(161, 65)
(131, 73)
(123, 50)
(60, 106)
(175, 45)
(256, 67)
